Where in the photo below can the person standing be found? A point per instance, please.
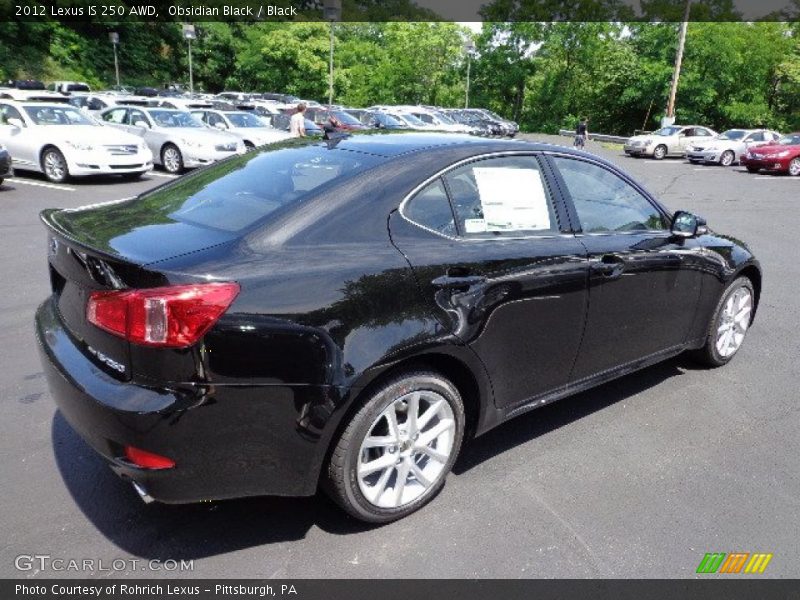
(582, 133)
(297, 124)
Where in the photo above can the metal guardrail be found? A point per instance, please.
(597, 137)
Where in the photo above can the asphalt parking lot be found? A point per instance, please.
(638, 478)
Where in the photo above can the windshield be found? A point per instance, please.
(668, 131)
(57, 115)
(238, 193)
(388, 120)
(174, 118)
(411, 120)
(445, 119)
(790, 140)
(345, 118)
(247, 120)
(732, 134)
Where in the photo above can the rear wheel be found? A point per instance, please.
(727, 158)
(660, 152)
(172, 159)
(730, 323)
(394, 455)
(794, 167)
(54, 165)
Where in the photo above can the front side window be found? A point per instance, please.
(499, 196)
(57, 115)
(605, 202)
(115, 116)
(8, 112)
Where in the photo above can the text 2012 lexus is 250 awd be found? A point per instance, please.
(346, 314)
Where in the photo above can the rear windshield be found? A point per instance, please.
(238, 193)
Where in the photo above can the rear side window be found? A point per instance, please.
(604, 201)
(237, 193)
(431, 208)
(505, 195)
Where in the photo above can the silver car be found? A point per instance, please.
(177, 139)
(672, 140)
(250, 128)
(729, 146)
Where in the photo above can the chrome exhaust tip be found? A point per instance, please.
(147, 498)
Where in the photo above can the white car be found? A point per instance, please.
(177, 139)
(250, 128)
(672, 140)
(729, 146)
(60, 141)
(94, 104)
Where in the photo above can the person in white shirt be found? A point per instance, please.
(297, 124)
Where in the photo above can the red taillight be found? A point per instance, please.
(169, 317)
(147, 460)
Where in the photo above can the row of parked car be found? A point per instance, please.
(72, 131)
(754, 149)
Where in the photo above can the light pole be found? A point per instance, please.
(469, 48)
(113, 37)
(332, 12)
(190, 34)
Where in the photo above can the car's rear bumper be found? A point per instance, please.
(226, 440)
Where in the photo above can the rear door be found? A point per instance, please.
(644, 285)
(493, 254)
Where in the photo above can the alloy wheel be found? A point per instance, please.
(794, 167)
(733, 322)
(406, 449)
(726, 160)
(54, 166)
(172, 159)
(660, 152)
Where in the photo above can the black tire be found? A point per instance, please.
(54, 165)
(794, 167)
(175, 166)
(708, 354)
(1, 181)
(753, 169)
(727, 158)
(249, 146)
(340, 479)
(660, 152)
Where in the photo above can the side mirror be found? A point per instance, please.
(142, 124)
(14, 122)
(220, 125)
(687, 225)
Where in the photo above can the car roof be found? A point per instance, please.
(397, 143)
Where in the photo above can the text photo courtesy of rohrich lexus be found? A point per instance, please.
(373, 278)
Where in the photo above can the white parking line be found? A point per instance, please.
(51, 186)
(167, 175)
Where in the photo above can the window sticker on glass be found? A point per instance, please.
(474, 225)
(512, 199)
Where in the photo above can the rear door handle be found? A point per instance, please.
(447, 282)
(610, 266)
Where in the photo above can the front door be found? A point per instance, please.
(644, 284)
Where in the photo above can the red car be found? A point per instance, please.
(782, 156)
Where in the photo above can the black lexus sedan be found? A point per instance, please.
(346, 314)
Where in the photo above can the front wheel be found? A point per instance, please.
(729, 324)
(794, 167)
(394, 455)
(54, 165)
(660, 152)
(727, 158)
(172, 159)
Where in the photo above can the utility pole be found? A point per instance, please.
(469, 47)
(332, 11)
(669, 119)
(113, 37)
